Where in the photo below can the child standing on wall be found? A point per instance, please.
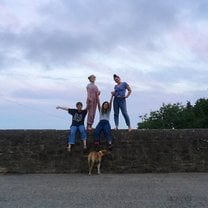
(92, 100)
(104, 123)
(78, 116)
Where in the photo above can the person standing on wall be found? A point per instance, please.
(119, 101)
(92, 101)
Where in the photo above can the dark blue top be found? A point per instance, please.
(120, 90)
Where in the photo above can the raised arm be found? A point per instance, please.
(111, 99)
(62, 108)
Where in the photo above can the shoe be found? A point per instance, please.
(69, 149)
(96, 143)
(85, 150)
(96, 146)
(110, 147)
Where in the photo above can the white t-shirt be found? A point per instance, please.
(105, 116)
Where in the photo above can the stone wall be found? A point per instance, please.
(140, 151)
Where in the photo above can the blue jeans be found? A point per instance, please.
(104, 126)
(120, 103)
(73, 131)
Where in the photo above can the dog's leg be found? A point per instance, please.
(89, 169)
(98, 167)
(91, 166)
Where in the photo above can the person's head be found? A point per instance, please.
(105, 107)
(79, 105)
(92, 78)
(116, 78)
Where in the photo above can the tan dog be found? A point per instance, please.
(95, 157)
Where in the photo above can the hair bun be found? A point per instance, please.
(115, 76)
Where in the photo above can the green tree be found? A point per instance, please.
(188, 116)
(177, 116)
(201, 113)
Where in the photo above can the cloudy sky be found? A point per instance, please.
(48, 48)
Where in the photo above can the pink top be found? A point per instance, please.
(92, 91)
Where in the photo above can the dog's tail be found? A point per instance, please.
(89, 162)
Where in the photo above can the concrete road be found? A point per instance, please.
(174, 190)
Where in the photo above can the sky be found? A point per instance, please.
(48, 48)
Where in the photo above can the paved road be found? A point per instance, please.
(175, 190)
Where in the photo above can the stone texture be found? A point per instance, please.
(140, 151)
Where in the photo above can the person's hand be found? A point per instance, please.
(113, 93)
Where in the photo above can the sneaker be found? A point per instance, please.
(96, 143)
(85, 150)
(96, 146)
(69, 149)
(110, 147)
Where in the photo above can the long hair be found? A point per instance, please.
(103, 110)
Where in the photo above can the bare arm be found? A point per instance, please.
(99, 107)
(113, 93)
(88, 95)
(129, 91)
(111, 99)
(62, 108)
(88, 106)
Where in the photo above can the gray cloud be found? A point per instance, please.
(53, 47)
(173, 74)
(72, 29)
(113, 22)
(135, 33)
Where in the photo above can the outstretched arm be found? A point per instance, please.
(62, 108)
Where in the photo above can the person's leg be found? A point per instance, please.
(83, 135)
(94, 107)
(122, 105)
(91, 114)
(116, 111)
(97, 131)
(107, 131)
(71, 140)
(85, 144)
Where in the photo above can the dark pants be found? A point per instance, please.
(104, 126)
